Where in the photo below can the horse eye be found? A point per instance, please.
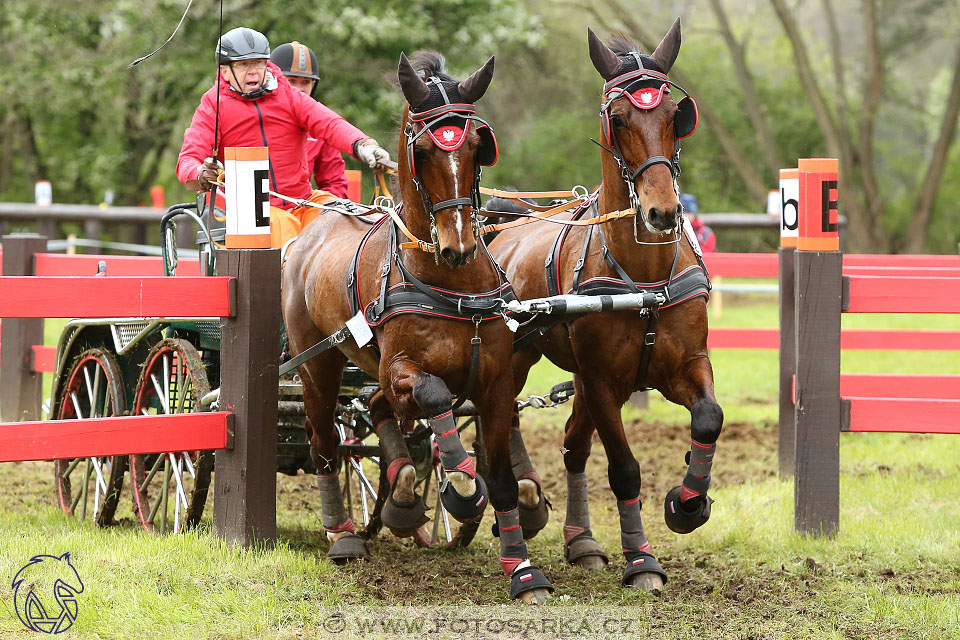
(618, 121)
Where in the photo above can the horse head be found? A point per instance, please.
(441, 152)
(642, 123)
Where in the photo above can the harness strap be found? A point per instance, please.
(612, 262)
(328, 342)
(471, 371)
(639, 384)
(578, 268)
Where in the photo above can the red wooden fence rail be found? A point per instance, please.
(245, 295)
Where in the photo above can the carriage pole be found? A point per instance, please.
(789, 223)
(819, 288)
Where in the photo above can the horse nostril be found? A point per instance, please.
(454, 258)
(654, 213)
(679, 209)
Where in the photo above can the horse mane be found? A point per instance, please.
(431, 64)
(622, 45)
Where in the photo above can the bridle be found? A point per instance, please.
(441, 125)
(639, 87)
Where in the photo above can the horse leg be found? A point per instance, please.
(642, 569)
(580, 548)
(464, 494)
(532, 502)
(320, 402)
(403, 512)
(527, 582)
(687, 506)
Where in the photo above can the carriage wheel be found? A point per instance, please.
(89, 488)
(170, 489)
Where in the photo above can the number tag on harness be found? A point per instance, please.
(359, 329)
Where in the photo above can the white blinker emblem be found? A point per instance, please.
(448, 135)
(646, 97)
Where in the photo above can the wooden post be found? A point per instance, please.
(787, 435)
(91, 231)
(819, 286)
(47, 227)
(789, 223)
(19, 385)
(245, 507)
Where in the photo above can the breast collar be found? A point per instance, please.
(412, 296)
(689, 283)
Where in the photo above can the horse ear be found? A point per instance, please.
(414, 89)
(669, 47)
(473, 88)
(604, 60)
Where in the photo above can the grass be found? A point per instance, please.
(892, 571)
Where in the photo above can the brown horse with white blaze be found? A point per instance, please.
(611, 354)
(434, 308)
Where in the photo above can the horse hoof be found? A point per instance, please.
(404, 485)
(590, 563)
(423, 538)
(465, 509)
(584, 551)
(530, 586)
(403, 519)
(646, 581)
(684, 518)
(643, 572)
(532, 506)
(347, 548)
(534, 596)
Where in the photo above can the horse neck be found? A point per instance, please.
(643, 262)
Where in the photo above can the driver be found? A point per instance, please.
(299, 66)
(259, 108)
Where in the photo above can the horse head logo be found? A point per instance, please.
(33, 586)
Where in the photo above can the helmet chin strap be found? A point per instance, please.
(256, 93)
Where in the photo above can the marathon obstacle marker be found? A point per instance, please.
(247, 175)
(824, 402)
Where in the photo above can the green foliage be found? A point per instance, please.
(97, 124)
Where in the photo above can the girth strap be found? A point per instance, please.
(639, 384)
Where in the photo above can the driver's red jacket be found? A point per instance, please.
(280, 120)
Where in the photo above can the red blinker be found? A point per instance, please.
(448, 137)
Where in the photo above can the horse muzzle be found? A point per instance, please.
(663, 220)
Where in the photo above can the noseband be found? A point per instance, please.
(642, 82)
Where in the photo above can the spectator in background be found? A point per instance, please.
(324, 163)
(705, 235)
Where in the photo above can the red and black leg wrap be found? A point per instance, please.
(453, 457)
(687, 506)
(513, 553)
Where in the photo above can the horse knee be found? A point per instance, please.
(432, 395)
(625, 478)
(706, 420)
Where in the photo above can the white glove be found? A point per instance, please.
(372, 154)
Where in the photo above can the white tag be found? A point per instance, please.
(359, 329)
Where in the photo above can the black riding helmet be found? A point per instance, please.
(244, 43)
(295, 59)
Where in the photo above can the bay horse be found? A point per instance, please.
(612, 354)
(434, 307)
